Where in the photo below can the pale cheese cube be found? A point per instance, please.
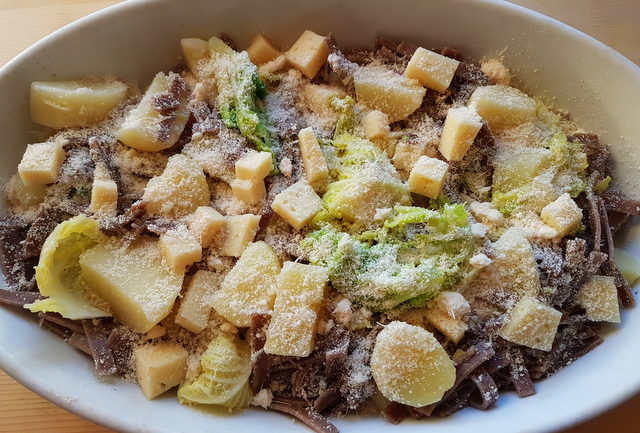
(180, 248)
(194, 50)
(179, 190)
(140, 290)
(104, 192)
(195, 306)
(261, 51)
(159, 367)
(431, 69)
(447, 313)
(250, 191)
(155, 124)
(236, 234)
(376, 125)
(308, 53)
(599, 297)
(254, 165)
(502, 106)
(427, 176)
(292, 332)
(300, 284)
(250, 286)
(64, 104)
(458, 133)
(314, 163)
(40, 163)
(380, 88)
(514, 265)
(205, 224)
(563, 214)
(531, 323)
(297, 204)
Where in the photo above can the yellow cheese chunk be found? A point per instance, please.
(237, 232)
(180, 248)
(254, 165)
(64, 104)
(250, 191)
(179, 190)
(151, 129)
(159, 367)
(300, 291)
(300, 284)
(376, 125)
(314, 163)
(104, 192)
(23, 196)
(502, 106)
(563, 214)
(261, 51)
(250, 286)
(458, 133)
(409, 366)
(292, 331)
(447, 313)
(195, 306)
(381, 89)
(40, 163)
(431, 69)
(308, 53)
(297, 204)
(135, 283)
(531, 323)
(514, 265)
(194, 50)
(599, 297)
(427, 176)
(205, 224)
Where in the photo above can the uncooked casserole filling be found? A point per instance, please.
(316, 231)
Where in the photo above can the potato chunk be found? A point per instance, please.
(531, 323)
(460, 129)
(104, 192)
(300, 292)
(261, 51)
(138, 288)
(159, 367)
(599, 297)
(179, 190)
(160, 117)
(237, 232)
(427, 176)
(563, 214)
(431, 69)
(308, 53)
(195, 306)
(410, 366)
(250, 286)
(180, 248)
(194, 50)
(502, 106)
(297, 204)
(40, 163)
(514, 264)
(314, 163)
(65, 104)
(254, 165)
(382, 89)
(205, 224)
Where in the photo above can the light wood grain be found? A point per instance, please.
(23, 22)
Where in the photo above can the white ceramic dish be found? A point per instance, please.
(137, 38)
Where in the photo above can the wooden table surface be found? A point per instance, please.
(22, 22)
